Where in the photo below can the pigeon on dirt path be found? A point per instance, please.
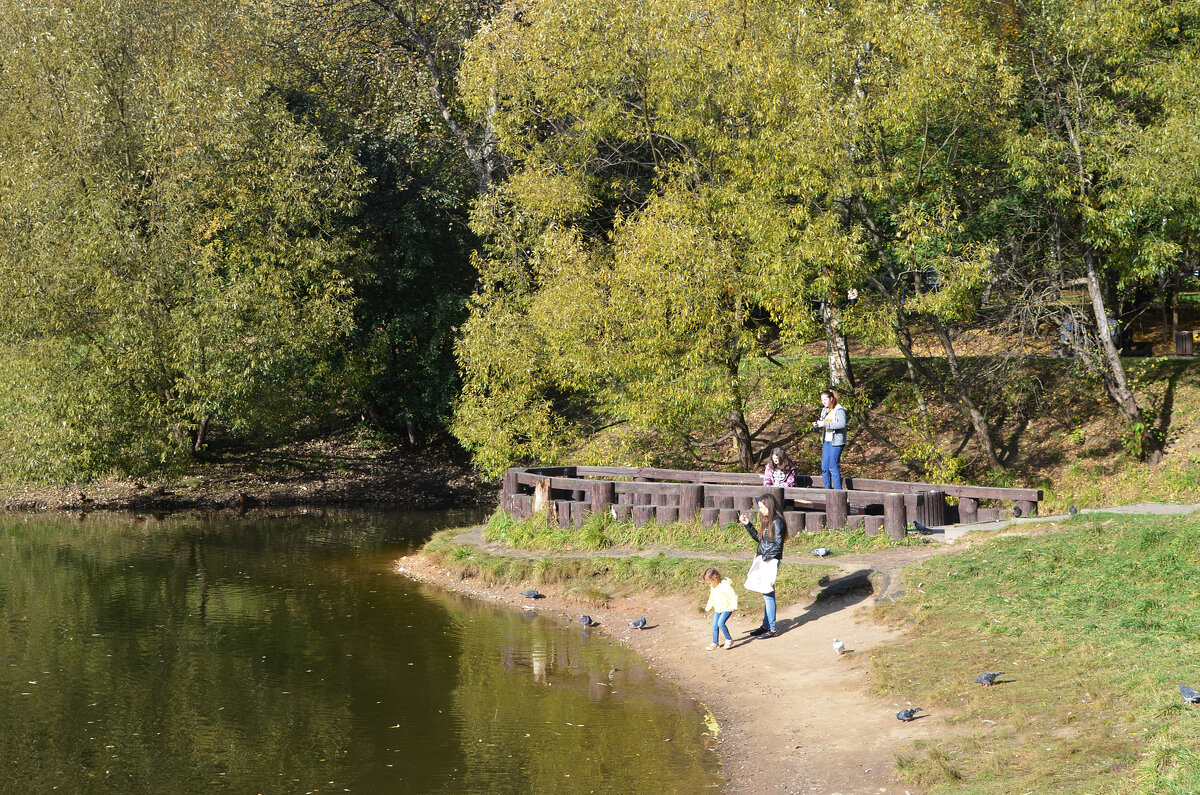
(820, 552)
(838, 646)
(639, 624)
(908, 714)
(988, 679)
(533, 593)
(587, 621)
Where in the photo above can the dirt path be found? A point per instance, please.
(791, 694)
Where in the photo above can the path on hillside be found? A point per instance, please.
(794, 716)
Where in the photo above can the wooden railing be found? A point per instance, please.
(569, 494)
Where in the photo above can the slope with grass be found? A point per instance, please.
(1094, 625)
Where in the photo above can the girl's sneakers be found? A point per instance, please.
(710, 647)
(727, 643)
(770, 633)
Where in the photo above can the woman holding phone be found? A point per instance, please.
(766, 559)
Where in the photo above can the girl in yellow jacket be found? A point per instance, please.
(722, 600)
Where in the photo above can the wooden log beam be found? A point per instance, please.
(837, 508)
(968, 510)
(895, 516)
(691, 500)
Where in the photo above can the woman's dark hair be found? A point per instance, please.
(773, 510)
(711, 574)
(785, 463)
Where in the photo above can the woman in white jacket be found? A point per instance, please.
(833, 426)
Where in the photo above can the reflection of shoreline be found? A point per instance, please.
(549, 663)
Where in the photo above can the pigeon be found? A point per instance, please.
(838, 646)
(588, 622)
(908, 714)
(922, 529)
(1189, 695)
(820, 552)
(1017, 511)
(1072, 510)
(533, 593)
(639, 624)
(988, 679)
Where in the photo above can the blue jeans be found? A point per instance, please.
(831, 466)
(769, 611)
(719, 620)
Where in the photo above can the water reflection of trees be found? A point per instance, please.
(171, 656)
(580, 712)
(282, 654)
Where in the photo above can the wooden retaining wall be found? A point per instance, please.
(569, 494)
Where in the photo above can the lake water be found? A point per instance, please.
(286, 655)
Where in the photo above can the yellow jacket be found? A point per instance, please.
(722, 598)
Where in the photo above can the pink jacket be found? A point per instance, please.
(777, 477)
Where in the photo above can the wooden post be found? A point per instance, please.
(509, 490)
(666, 514)
(579, 511)
(1028, 507)
(837, 508)
(855, 521)
(935, 508)
(778, 492)
(728, 515)
(895, 518)
(562, 512)
(643, 498)
(710, 517)
(604, 494)
(642, 514)
(872, 525)
(968, 510)
(691, 500)
(795, 522)
(814, 521)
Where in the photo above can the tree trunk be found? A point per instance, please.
(966, 404)
(1115, 380)
(741, 435)
(840, 376)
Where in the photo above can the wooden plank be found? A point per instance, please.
(814, 522)
(978, 492)
(710, 517)
(872, 525)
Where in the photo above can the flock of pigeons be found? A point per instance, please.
(987, 679)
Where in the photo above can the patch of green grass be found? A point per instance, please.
(600, 531)
(1094, 627)
(597, 579)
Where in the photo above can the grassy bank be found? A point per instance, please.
(1094, 627)
(600, 532)
(595, 579)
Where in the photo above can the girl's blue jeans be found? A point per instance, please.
(769, 611)
(831, 466)
(719, 620)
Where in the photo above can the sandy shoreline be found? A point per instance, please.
(795, 717)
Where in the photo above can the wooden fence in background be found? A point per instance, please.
(568, 494)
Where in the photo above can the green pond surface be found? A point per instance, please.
(285, 654)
